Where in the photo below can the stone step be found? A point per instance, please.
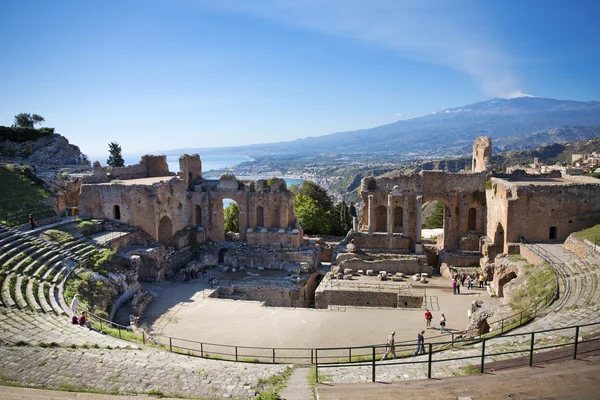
(20, 299)
(46, 307)
(2, 277)
(53, 256)
(30, 296)
(52, 270)
(6, 297)
(60, 297)
(58, 276)
(31, 257)
(38, 262)
(53, 302)
(8, 255)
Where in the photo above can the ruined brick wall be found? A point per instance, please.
(408, 266)
(148, 167)
(541, 212)
(325, 298)
(458, 192)
(381, 241)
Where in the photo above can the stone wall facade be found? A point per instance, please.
(170, 204)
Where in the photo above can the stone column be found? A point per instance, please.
(390, 216)
(370, 215)
(418, 244)
(405, 215)
(355, 224)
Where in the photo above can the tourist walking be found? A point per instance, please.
(442, 323)
(389, 346)
(31, 221)
(420, 344)
(453, 286)
(428, 318)
(481, 280)
(74, 304)
(457, 286)
(469, 282)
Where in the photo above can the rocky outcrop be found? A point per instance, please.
(44, 153)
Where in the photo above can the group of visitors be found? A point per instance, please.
(429, 317)
(390, 345)
(190, 274)
(193, 274)
(81, 159)
(462, 279)
(82, 319)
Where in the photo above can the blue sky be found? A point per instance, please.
(158, 75)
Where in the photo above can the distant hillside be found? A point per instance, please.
(520, 123)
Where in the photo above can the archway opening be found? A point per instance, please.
(499, 236)
(165, 230)
(398, 217)
(198, 213)
(372, 185)
(553, 234)
(472, 219)
(221, 257)
(503, 281)
(434, 217)
(117, 212)
(260, 217)
(231, 219)
(380, 219)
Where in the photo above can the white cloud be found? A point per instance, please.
(433, 31)
(517, 93)
(398, 114)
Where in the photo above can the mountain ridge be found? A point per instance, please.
(449, 132)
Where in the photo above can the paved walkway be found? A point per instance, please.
(297, 386)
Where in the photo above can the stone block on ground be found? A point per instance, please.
(348, 271)
(348, 277)
(360, 272)
(370, 272)
(416, 277)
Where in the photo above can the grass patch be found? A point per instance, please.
(58, 236)
(269, 388)
(468, 369)
(22, 193)
(49, 345)
(541, 283)
(592, 234)
(12, 286)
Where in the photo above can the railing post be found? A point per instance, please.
(452, 344)
(349, 354)
(273, 355)
(201, 349)
(373, 367)
(482, 356)
(576, 342)
(170, 344)
(531, 349)
(521, 318)
(143, 338)
(502, 331)
(236, 356)
(429, 361)
(119, 328)
(317, 365)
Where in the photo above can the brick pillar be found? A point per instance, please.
(418, 244)
(390, 216)
(370, 215)
(405, 215)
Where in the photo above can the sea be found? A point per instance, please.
(209, 162)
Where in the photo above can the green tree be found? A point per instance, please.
(313, 218)
(317, 193)
(436, 218)
(25, 120)
(232, 217)
(342, 219)
(115, 159)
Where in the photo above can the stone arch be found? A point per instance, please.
(235, 221)
(398, 218)
(472, 219)
(260, 217)
(198, 213)
(165, 230)
(499, 235)
(117, 212)
(503, 281)
(380, 219)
